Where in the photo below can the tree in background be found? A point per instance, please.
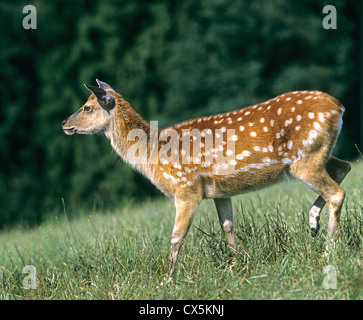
(171, 60)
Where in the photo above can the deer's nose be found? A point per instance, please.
(64, 122)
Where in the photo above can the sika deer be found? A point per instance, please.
(233, 153)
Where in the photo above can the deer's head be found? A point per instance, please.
(94, 116)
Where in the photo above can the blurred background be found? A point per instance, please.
(171, 60)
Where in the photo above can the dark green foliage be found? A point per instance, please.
(171, 60)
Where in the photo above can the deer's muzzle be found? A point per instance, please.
(68, 130)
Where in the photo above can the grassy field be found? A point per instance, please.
(124, 254)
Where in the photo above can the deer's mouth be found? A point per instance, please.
(70, 130)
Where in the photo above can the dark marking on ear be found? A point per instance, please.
(105, 99)
(104, 85)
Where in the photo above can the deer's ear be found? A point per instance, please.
(104, 85)
(105, 99)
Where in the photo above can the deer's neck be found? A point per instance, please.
(130, 137)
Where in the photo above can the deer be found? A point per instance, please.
(291, 135)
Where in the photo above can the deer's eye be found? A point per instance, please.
(86, 108)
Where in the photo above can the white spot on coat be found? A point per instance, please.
(321, 117)
(286, 161)
(234, 138)
(317, 126)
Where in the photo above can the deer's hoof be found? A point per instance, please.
(314, 230)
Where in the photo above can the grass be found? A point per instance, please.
(124, 254)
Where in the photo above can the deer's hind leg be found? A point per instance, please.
(337, 170)
(225, 214)
(315, 175)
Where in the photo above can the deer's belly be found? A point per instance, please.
(241, 182)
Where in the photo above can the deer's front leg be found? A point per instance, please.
(185, 210)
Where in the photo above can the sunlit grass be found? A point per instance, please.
(124, 254)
